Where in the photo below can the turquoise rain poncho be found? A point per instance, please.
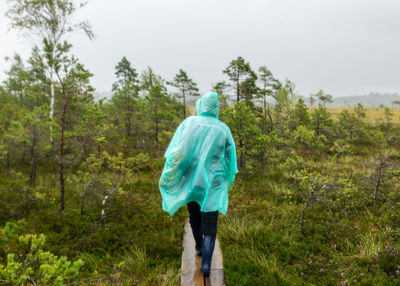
(201, 161)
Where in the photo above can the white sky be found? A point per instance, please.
(345, 47)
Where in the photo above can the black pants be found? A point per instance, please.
(206, 221)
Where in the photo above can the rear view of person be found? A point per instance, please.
(200, 167)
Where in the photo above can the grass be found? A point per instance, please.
(373, 114)
(353, 242)
(137, 244)
(262, 244)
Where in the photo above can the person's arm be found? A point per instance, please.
(175, 155)
(230, 158)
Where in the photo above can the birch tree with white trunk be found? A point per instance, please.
(47, 21)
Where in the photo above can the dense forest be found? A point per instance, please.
(316, 200)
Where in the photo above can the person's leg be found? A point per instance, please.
(195, 223)
(209, 222)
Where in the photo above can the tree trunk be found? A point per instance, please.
(237, 89)
(32, 179)
(317, 126)
(8, 158)
(303, 211)
(83, 197)
(128, 119)
(156, 133)
(270, 119)
(127, 126)
(351, 133)
(240, 139)
(184, 106)
(265, 106)
(156, 119)
(378, 180)
(52, 95)
(61, 148)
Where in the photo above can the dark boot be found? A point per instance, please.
(198, 238)
(207, 251)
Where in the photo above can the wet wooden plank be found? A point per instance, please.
(191, 273)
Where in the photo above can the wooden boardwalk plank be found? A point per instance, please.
(191, 274)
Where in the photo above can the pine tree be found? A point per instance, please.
(159, 107)
(17, 79)
(126, 92)
(267, 89)
(186, 87)
(73, 80)
(348, 123)
(360, 111)
(243, 79)
(221, 88)
(323, 97)
(285, 99)
(321, 120)
(300, 114)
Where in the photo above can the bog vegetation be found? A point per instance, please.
(316, 201)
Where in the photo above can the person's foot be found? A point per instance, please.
(207, 251)
(198, 238)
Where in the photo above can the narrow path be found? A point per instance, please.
(191, 274)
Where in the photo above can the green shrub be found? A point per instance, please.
(36, 265)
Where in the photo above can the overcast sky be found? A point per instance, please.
(345, 47)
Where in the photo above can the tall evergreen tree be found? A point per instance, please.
(186, 86)
(28, 84)
(267, 85)
(243, 79)
(29, 131)
(148, 79)
(159, 107)
(285, 99)
(324, 97)
(73, 81)
(242, 121)
(300, 116)
(17, 79)
(321, 120)
(221, 88)
(10, 110)
(126, 92)
(348, 123)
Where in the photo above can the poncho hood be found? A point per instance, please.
(207, 105)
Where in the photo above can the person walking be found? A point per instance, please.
(200, 166)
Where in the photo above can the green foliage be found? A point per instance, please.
(301, 116)
(285, 98)
(36, 265)
(186, 87)
(126, 91)
(47, 18)
(307, 138)
(377, 138)
(243, 79)
(324, 97)
(296, 164)
(221, 88)
(340, 148)
(321, 121)
(360, 111)
(138, 266)
(242, 122)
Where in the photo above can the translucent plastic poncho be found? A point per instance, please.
(201, 161)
